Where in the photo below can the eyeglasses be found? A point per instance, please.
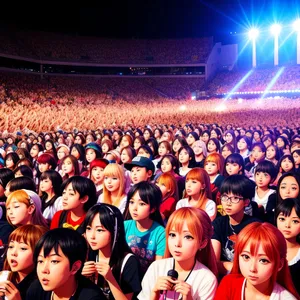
(233, 199)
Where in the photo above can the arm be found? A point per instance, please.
(223, 266)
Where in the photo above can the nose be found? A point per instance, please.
(14, 252)
(45, 268)
(287, 223)
(64, 196)
(178, 242)
(253, 267)
(92, 234)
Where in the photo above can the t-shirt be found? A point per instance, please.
(69, 223)
(210, 206)
(50, 211)
(122, 203)
(226, 236)
(86, 290)
(146, 245)
(202, 281)
(294, 266)
(130, 281)
(167, 207)
(264, 200)
(232, 287)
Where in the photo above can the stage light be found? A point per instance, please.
(296, 25)
(253, 33)
(240, 100)
(182, 108)
(275, 29)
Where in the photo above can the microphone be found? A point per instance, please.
(174, 275)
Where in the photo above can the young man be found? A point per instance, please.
(59, 256)
(141, 169)
(236, 192)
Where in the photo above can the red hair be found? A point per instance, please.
(201, 175)
(216, 158)
(199, 225)
(170, 183)
(274, 245)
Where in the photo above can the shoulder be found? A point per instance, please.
(55, 219)
(280, 293)
(87, 290)
(128, 224)
(220, 221)
(182, 203)
(156, 227)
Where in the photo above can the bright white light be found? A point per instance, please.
(253, 33)
(193, 98)
(182, 108)
(296, 25)
(240, 100)
(221, 107)
(275, 29)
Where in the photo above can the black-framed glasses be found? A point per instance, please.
(232, 199)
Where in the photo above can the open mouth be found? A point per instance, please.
(13, 263)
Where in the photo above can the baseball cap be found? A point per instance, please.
(141, 161)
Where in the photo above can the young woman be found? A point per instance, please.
(178, 142)
(6, 175)
(296, 157)
(127, 154)
(189, 252)
(186, 158)
(111, 264)
(168, 187)
(19, 261)
(243, 146)
(213, 145)
(163, 149)
(50, 184)
(11, 160)
(226, 150)
(144, 229)
(234, 164)
(78, 152)
(260, 269)
(69, 167)
(23, 171)
(197, 189)
(97, 174)
(114, 186)
(199, 148)
(273, 154)
(24, 207)
(192, 138)
(288, 222)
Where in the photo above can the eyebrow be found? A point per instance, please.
(261, 254)
(54, 254)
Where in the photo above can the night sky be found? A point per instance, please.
(150, 19)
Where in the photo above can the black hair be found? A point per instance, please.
(286, 207)
(72, 244)
(194, 135)
(289, 174)
(238, 185)
(81, 152)
(53, 150)
(150, 194)
(278, 152)
(266, 166)
(246, 139)
(85, 187)
(189, 150)
(147, 149)
(235, 158)
(290, 158)
(181, 140)
(112, 220)
(260, 145)
(21, 183)
(14, 156)
(153, 142)
(6, 175)
(216, 142)
(174, 162)
(40, 147)
(285, 141)
(25, 171)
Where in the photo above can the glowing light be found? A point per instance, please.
(296, 25)
(182, 108)
(253, 33)
(221, 107)
(240, 100)
(272, 82)
(193, 98)
(275, 29)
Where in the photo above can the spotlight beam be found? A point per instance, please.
(272, 83)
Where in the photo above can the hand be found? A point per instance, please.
(164, 283)
(184, 289)
(9, 290)
(104, 270)
(89, 268)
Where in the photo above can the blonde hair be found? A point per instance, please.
(201, 175)
(216, 158)
(29, 198)
(199, 225)
(114, 170)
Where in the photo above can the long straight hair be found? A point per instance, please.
(199, 225)
(201, 175)
(274, 245)
(169, 181)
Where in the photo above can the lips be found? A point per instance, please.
(286, 232)
(44, 281)
(93, 244)
(64, 203)
(13, 263)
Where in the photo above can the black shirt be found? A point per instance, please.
(86, 290)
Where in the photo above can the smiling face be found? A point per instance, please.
(97, 235)
(257, 268)
(20, 257)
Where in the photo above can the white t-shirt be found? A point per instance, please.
(183, 172)
(210, 206)
(202, 281)
(278, 293)
(50, 211)
(295, 259)
(122, 204)
(264, 200)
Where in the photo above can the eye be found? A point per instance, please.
(264, 261)
(171, 234)
(24, 249)
(188, 237)
(245, 257)
(40, 261)
(88, 228)
(295, 222)
(281, 219)
(54, 261)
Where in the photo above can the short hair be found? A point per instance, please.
(85, 187)
(235, 158)
(216, 158)
(290, 158)
(47, 158)
(20, 183)
(260, 145)
(238, 185)
(72, 244)
(24, 170)
(266, 166)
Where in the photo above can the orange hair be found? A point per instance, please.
(199, 225)
(201, 175)
(170, 183)
(28, 234)
(114, 170)
(216, 158)
(274, 245)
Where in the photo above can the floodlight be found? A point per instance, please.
(296, 25)
(253, 33)
(275, 29)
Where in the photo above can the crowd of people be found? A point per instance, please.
(54, 46)
(155, 210)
